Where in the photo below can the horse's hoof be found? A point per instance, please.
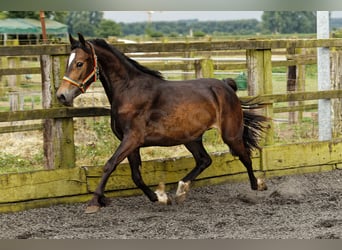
(182, 190)
(162, 196)
(261, 184)
(92, 209)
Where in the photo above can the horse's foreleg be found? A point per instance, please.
(202, 159)
(135, 164)
(99, 200)
(126, 147)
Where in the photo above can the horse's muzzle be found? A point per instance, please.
(64, 98)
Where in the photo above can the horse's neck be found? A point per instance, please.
(113, 74)
(118, 76)
(107, 87)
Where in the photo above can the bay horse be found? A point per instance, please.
(147, 110)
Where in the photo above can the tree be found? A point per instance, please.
(58, 16)
(85, 22)
(287, 22)
(108, 28)
(2, 15)
(23, 14)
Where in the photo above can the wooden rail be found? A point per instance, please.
(69, 112)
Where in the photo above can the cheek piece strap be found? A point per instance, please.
(92, 77)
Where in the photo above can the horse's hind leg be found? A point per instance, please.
(202, 159)
(238, 148)
(135, 164)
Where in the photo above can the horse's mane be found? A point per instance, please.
(102, 43)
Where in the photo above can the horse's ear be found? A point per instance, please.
(82, 40)
(71, 39)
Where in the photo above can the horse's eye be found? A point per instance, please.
(79, 64)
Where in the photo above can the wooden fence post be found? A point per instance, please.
(59, 150)
(204, 68)
(300, 80)
(259, 68)
(13, 80)
(336, 83)
(291, 82)
(186, 75)
(3, 62)
(13, 100)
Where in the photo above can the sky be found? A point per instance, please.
(142, 16)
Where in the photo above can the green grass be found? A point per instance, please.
(304, 131)
(10, 163)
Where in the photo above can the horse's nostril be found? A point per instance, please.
(61, 98)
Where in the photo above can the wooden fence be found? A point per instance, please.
(63, 181)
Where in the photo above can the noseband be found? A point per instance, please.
(92, 77)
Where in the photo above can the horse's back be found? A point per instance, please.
(182, 111)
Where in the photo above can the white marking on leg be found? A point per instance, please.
(162, 196)
(182, 190)
(261, 184)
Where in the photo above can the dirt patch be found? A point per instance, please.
(295, 207)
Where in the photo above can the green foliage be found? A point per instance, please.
(58, 16)
(199, 33)
(96, 152)
(85, 22)
(23, 14)
(13, 163)
(183, 27)
(108, 28)
(288, 22)
(156, 34)
(2, 15)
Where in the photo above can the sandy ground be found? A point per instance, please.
(294, 207)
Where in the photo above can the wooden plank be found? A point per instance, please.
(301, 155)
(228, 45)
(306, 107)
(169, 171)
(27, 50)
(53, 113)
(20, 71)
(42, 184)
(20, 128)
(297, 96)
(219, 65)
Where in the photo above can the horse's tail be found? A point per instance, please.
(230, 82)
(254, 127)
(254, 124)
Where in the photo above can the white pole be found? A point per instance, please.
(5, 39)
(323, 71)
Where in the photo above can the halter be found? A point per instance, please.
(92, 77)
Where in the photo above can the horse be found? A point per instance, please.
(147, 110)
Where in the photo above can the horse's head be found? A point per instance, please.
(81, 71)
